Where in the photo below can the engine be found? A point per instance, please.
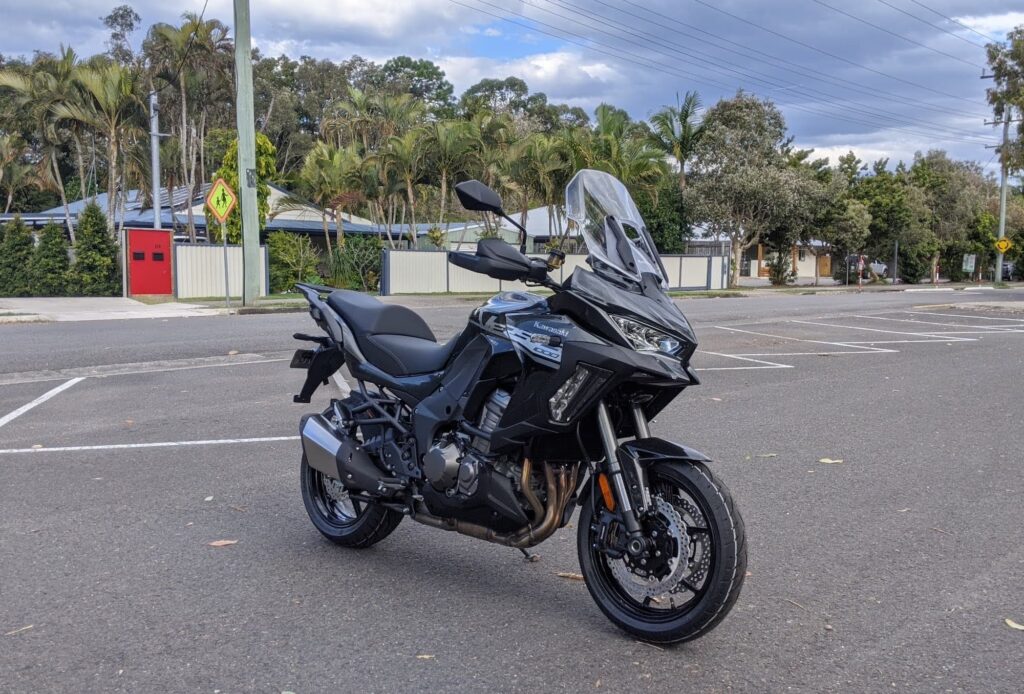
(454, 464)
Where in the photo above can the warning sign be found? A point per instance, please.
(1003, 245)
(221, 200)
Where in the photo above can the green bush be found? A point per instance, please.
(50, 265)
(15, 256)
(293, 258)
(357, 264)
(915, 265)
(780, 267)
(95, 271)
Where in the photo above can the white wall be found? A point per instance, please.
(429, 272)
(199, 271)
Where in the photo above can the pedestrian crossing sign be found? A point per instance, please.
(221, 200)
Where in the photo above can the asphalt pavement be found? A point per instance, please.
(892, 570)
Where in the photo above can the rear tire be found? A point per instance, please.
(716, 578)
(342, 520)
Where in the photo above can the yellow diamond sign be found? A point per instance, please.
(221, 200)
(1003, 245)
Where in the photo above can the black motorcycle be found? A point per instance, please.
(541, 405)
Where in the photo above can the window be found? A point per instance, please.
(158, 257)
(138, 255)
(801, 254)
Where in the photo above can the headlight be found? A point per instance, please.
(576, 392)
(644, 338)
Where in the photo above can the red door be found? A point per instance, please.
(149, 261)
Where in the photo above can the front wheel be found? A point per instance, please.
(340, 518)
(689, 577)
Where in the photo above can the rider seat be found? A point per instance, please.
(393, 338)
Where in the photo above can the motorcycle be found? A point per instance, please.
(540, 406)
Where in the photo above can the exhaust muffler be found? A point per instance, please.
(343, 458)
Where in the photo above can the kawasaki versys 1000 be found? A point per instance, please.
(541, 405)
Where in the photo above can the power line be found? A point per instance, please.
(899, 36)
(765, 78)
(931, 24)
(950, 19)
(831, 55)
(745, 52)
(639, 60)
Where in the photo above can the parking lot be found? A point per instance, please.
(127, 447)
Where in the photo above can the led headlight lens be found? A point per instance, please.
(644, 338)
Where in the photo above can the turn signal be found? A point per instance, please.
(606, 491)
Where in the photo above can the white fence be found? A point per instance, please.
(199, 271)
(429, 272)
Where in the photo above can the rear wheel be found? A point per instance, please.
(691, 575)
(340, 518)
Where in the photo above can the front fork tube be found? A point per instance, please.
(611, 445)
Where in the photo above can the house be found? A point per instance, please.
(803, 257)
(137, 213)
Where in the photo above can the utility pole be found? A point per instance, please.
(246, 125)
(154, 157)
(1003, 157)
(1004, 171)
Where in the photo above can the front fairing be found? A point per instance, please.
(646, 303)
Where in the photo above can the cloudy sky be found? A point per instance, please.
(881, 77)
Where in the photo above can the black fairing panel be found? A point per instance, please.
(590, 296)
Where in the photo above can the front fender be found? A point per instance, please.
(647, 452)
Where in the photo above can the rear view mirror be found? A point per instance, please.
(475, 196)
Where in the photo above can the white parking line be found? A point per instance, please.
(764, 364)
(959, 315)
(38, 401)
(158, 444)
(800, 339)
(947, 325)
(932, 334)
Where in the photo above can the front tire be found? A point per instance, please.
(703, 583)
(341, 519)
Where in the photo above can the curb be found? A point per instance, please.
(258, 310)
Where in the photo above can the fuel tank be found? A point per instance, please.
(492, 316)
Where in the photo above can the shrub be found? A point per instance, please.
(780, 268)
(95, 271)
(15, 257)
(50, 264)
(359, 262)
(914, 265)
(293, 258)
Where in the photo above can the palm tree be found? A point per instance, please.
(111, 107)
(50, 82)
(449, 147)
(330, 178)
(403, 156)
(190, 58)
(677, 130)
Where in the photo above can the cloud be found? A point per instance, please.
(840, 83)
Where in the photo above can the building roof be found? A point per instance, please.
(138, 213)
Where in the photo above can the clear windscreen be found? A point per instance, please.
(611, 226)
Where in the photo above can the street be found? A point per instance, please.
(126, 447)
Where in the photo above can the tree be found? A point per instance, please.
(266, 161)
(677, 131)
(448, 148)
(1006, 96)
(96, 271)
(955, 193)
(49, 266)
(666, 216)
(743, 187)
(110, 105)
(404, 156)
(122, 21)
(15, 259)
(423, 80)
